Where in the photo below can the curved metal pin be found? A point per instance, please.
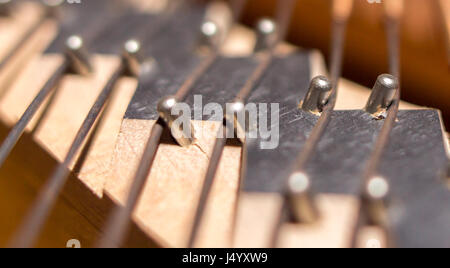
(301, 201)
(182, 132)
(317, 97)
(382, 95)
(77, 55)
(266, 34)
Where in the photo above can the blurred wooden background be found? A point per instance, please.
(424, 44)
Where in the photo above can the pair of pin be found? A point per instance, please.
(211, 37)
(304, 209)
(77, 60)
(381, 98)
(372, 212)
(301, 200)
(79, 57)
(209, 42)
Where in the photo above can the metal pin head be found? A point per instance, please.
(182, 130)
(382, 95)
(377, 188)
(303, 207)
(266, 34)
(210, 29)
(165, 106)
(5, 7)
(374, 200)
(77, 55)
(317, 97)
(236, 117)
(132, 57)
(299, 183)
(211, 36)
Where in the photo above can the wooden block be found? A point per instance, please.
(257, 215)
(333, 230)
(173, 185)
(55, 132)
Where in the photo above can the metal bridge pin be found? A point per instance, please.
(374, 201)
(216, 25)
(267, 32)
(183, 132)
(318, 94)
(382, 95)
(132, 57)
(5, 7)
(210, 35)
(237, 118)
(78, 56)
(301, 202)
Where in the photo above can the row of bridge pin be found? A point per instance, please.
(303, 207)
(301, 199)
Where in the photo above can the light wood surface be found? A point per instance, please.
(13, 27)
(13, 30)
(55, 132)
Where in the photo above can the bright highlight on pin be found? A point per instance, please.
(74, 42)
(299, 182)
(388, 81)
(266, 26)
(209, 28)
(238, 106)
(132, 46)
(378, 187)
